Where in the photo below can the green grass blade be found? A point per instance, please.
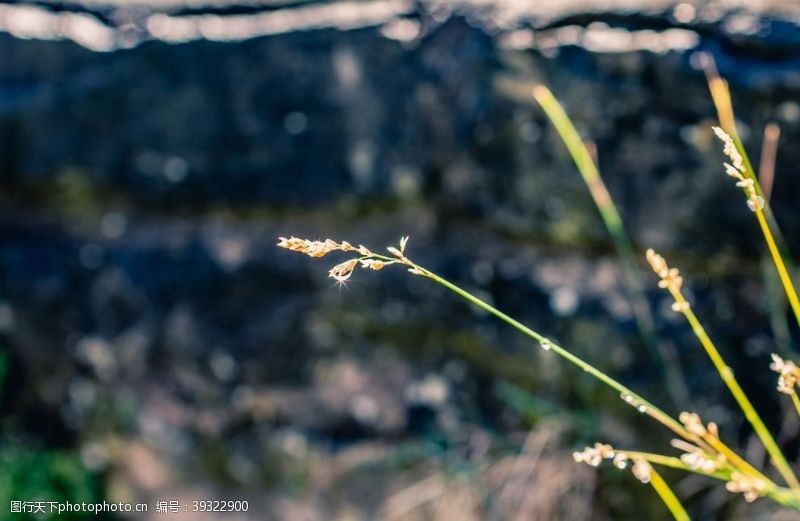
(667, 362)
(778, 250)
(668, 496)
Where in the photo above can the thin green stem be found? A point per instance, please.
(630, 396)
(726, 374)
(642, 404)
(734, 459)
(587, 167)
(672, 462)
(730, 462)
(783, 496)
(668, 496)
(777, 259)
(796, 402)
(721, 95)
(776, 301)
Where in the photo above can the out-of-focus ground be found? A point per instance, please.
(158, 346)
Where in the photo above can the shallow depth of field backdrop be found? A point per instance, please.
(156, 345)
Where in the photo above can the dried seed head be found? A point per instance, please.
(594, 455)
(399, 252)
(693, 424)
(788, 373)
(699, 461)
(729, 149)
(755, 202)
(697, 458)
(736, 170)
(657, 262)
(373, 264)
(642, 470)
(310, 248)
(403, 242)
(670, 277)
(341, 272)
(318, 248)
(731, 171)
(620, 460)
(752, 487)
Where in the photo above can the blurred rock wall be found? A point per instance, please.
(143, 187)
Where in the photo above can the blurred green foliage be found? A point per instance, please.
(30, 473)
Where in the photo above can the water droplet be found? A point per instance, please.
(627, 397)
(641, 408)
(755, 203)
(545, 344)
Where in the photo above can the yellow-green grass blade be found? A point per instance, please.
(778, 250)
(667, 362)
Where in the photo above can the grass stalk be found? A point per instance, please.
(742, 477)
(668, 496)
(368, 259)
(628, 395)
(651, 410)
(587, 167)
(796, 402)
(721, 96)
(727, 376)
(783, 496)
(777, 259)
(772, 283)
(642, 404)
(776, 301)
(736, 461)
(671, 462)
(720, 93)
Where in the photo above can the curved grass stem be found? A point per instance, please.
(783, 496)
(644, 405)
(777, 259)
(587, 167)
(726, 374)
(721, 96)
(668, 496)
(796, 402)
(671, 462)
(741, 476)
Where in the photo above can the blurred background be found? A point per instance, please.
(156, 345)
